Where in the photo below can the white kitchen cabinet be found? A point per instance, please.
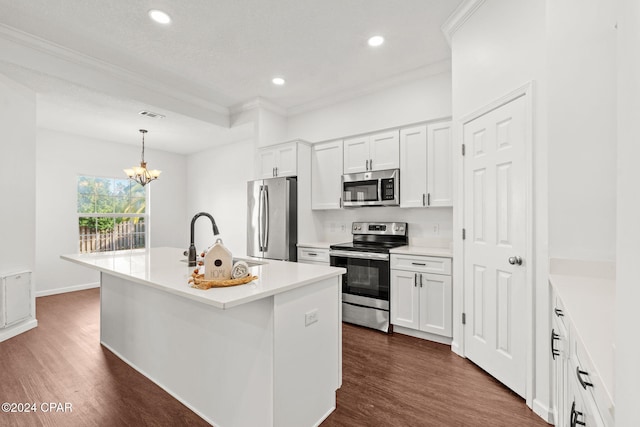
(313, 255)
(559, 365)
(326, 174)
(426, 166)
(413, 167)
(439, 164)
(278, 160)
(372, 152)
(421, 293)
(16, 298)
(577, 392)
(404, 299)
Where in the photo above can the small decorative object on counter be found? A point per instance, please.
(219, 271)
(198, 281)
(240, 269)
(218, 262)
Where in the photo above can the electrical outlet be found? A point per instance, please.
(436, 229)
(343, 227)
(311, 317)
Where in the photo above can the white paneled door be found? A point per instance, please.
(495, 207)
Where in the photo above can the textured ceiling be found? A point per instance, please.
(227, 51)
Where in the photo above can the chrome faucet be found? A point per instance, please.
(192, 246)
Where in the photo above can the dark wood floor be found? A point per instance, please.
(387, 380)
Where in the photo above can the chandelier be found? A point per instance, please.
(141, 174)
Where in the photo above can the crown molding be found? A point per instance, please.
(463, 12)
(258, 102)
(415, 74)
(112, 71)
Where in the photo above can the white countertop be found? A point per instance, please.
(589, 302)
(163, 268)
(423, 250)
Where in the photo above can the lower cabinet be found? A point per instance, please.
(419, 299)
(575, 387)
(312, 255)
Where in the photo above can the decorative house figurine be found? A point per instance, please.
(218, 262)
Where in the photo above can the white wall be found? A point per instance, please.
(499, 49)
(627, 370)
(217, 184)
(17, 177)
(423, 99)
(582, 129)
(60, 158)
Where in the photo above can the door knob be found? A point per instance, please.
(513, 260)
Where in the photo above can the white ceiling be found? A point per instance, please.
(216, 54)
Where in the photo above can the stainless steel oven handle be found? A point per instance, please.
(361, 255)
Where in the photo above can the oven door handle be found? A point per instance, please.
(360, 255)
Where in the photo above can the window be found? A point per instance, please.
(111, 214)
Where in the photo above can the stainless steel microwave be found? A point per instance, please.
(377, 188)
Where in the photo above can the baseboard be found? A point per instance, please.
(421, 334)
(543, 411)
(455, 347)
(17, 329)
(67, 289)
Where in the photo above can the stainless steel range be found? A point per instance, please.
(365, 286)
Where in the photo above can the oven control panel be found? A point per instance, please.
(385, 228)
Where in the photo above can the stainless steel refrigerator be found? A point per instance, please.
(272, 218)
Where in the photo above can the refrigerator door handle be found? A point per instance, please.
(265, 242)
(260, 220)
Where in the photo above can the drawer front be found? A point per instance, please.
(422, 264)
(313, 255)
(587, 376)
(558, 312)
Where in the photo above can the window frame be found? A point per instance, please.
(145, 215)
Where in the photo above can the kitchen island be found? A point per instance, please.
(267, 353)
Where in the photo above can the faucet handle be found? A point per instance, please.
(185, 253)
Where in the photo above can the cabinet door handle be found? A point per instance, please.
(370, 164)
(574, 416)
(583, 383)
(421, 280)
(276, 171)
(424, 199)
(558, 312)
(428, 199)
(340, 202)
(312, 254)
(415, 280)
(554, 337)
(418, 263)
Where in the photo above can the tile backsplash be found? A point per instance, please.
(427, 226)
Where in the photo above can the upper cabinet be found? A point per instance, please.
(378, 151)
(278, 160)
(326, 174)
(439, 164)
(426, 166)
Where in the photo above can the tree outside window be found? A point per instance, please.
(111, 214)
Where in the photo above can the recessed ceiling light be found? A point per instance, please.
(278, 81)
(376, 41)
(159, 16)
